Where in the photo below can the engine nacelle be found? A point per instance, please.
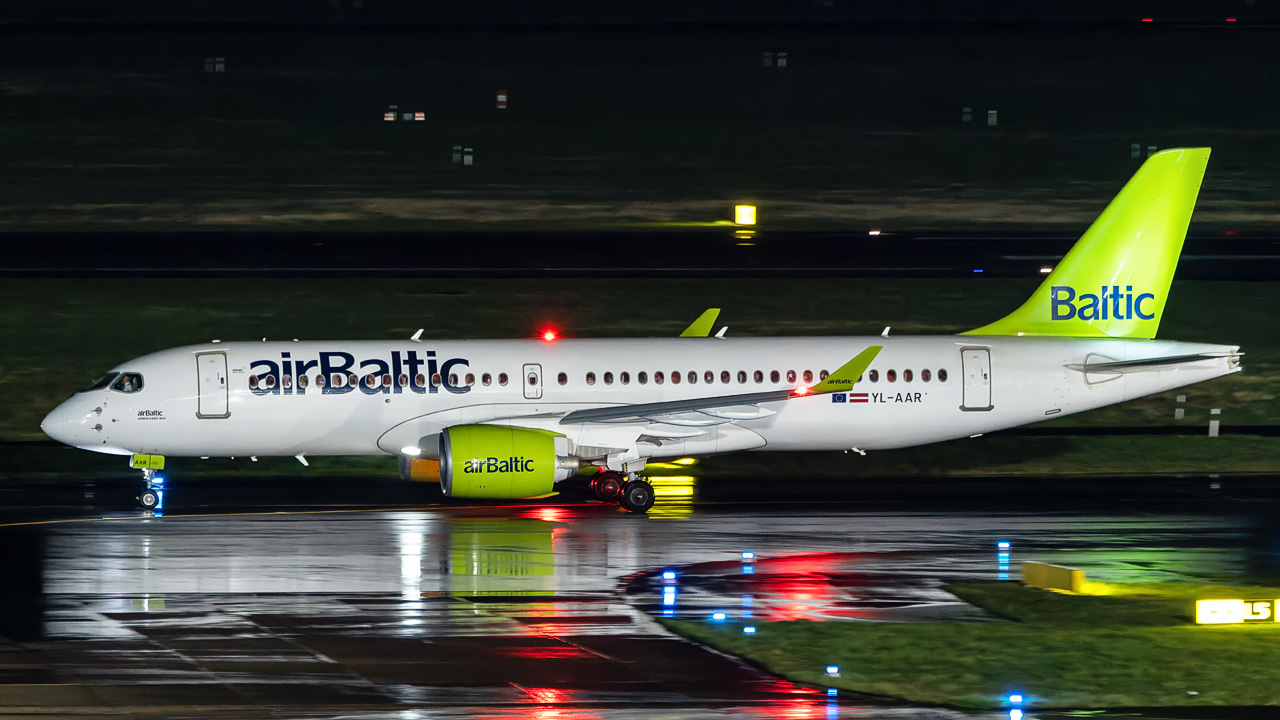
(495, 461)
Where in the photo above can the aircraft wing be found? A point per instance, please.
(724, 408)
(1125, 366)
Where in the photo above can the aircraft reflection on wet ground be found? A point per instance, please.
(502, 611)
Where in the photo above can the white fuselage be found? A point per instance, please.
(191, 404)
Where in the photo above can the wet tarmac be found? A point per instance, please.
(528, 610)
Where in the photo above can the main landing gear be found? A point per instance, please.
(633, 493)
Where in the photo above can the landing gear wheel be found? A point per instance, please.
(637, 496)
(607, 486)
(147, 499)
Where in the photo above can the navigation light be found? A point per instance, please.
(550, 334)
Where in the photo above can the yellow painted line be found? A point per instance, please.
(165, 516)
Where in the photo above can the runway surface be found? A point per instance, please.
(514, 611)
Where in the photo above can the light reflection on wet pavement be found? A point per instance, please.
(512, 611)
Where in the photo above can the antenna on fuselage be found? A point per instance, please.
(417, 335)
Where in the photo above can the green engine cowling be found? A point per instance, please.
(495, 461)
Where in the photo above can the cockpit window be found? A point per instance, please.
(99, 383)
(128, 383)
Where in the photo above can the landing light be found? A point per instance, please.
(873, 233)
(1046, 270)
(410, 450)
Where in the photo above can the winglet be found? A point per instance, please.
(702, 326)
(843, 379)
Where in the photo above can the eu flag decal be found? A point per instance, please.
(837, 397)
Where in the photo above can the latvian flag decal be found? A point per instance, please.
(849, 397)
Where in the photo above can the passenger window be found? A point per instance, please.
(808, 376)
(502, 379)
(642, 377)
(709, 377)
(742, 377)
(253, 382)
(906, 376)
(319, 381)
(657, 378)
(874, 376)
(562, 378)
(286, 381)
(404, 380)
(435, 380)
(693, 377)
(891, 375)
(369, 380)
(724, 377)
(591, 378)
(486, 379)
(420, 380)
(608, 378)
(759, 377)
(128, 383)
(942, 375)
(533, 379)
(925, 375)
(791, 376)
(823, 375)
(337, 380)
(453, 380)
(302, 381)
(774, 376)
(386, 380)
(471, 379)
(675, 377)
(624, 377)
(271, 381)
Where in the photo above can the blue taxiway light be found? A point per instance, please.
(748, 569)
(668, 575)
(833, 669)
(831, 692)
(977, 269)
(1002, 544)
(719, 616)
(1015, 714)
(748, 555)
(1015, 699)
(668, 613)
(749, 630)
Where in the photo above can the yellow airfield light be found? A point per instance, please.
(744, 214)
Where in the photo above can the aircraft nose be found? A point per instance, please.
(54, 424)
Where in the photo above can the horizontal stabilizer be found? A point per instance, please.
(1123, 366)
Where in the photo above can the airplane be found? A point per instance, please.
(513, 418)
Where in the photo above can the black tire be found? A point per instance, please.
(607, 486)
(637, 496)
(147, 499)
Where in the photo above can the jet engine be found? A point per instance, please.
(423, 470)
(495, 461)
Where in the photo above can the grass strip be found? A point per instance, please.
(1134, 647)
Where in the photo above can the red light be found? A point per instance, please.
(1231, 19)
(1146, 19)
(1230, 232)
(550, 334)
(801, 391)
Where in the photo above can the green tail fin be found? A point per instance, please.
(1115, 280)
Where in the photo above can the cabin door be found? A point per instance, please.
(976, 368)
(211, 372)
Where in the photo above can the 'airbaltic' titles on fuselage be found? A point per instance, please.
(1110, 303)
(407, 371)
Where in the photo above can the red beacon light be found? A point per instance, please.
(802, 390)
(550, 335)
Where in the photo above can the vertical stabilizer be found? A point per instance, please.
(1115, 280)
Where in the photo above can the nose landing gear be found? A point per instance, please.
(149, 497)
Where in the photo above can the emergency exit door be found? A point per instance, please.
(532, 381)
(976, 368)
(211, 372)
